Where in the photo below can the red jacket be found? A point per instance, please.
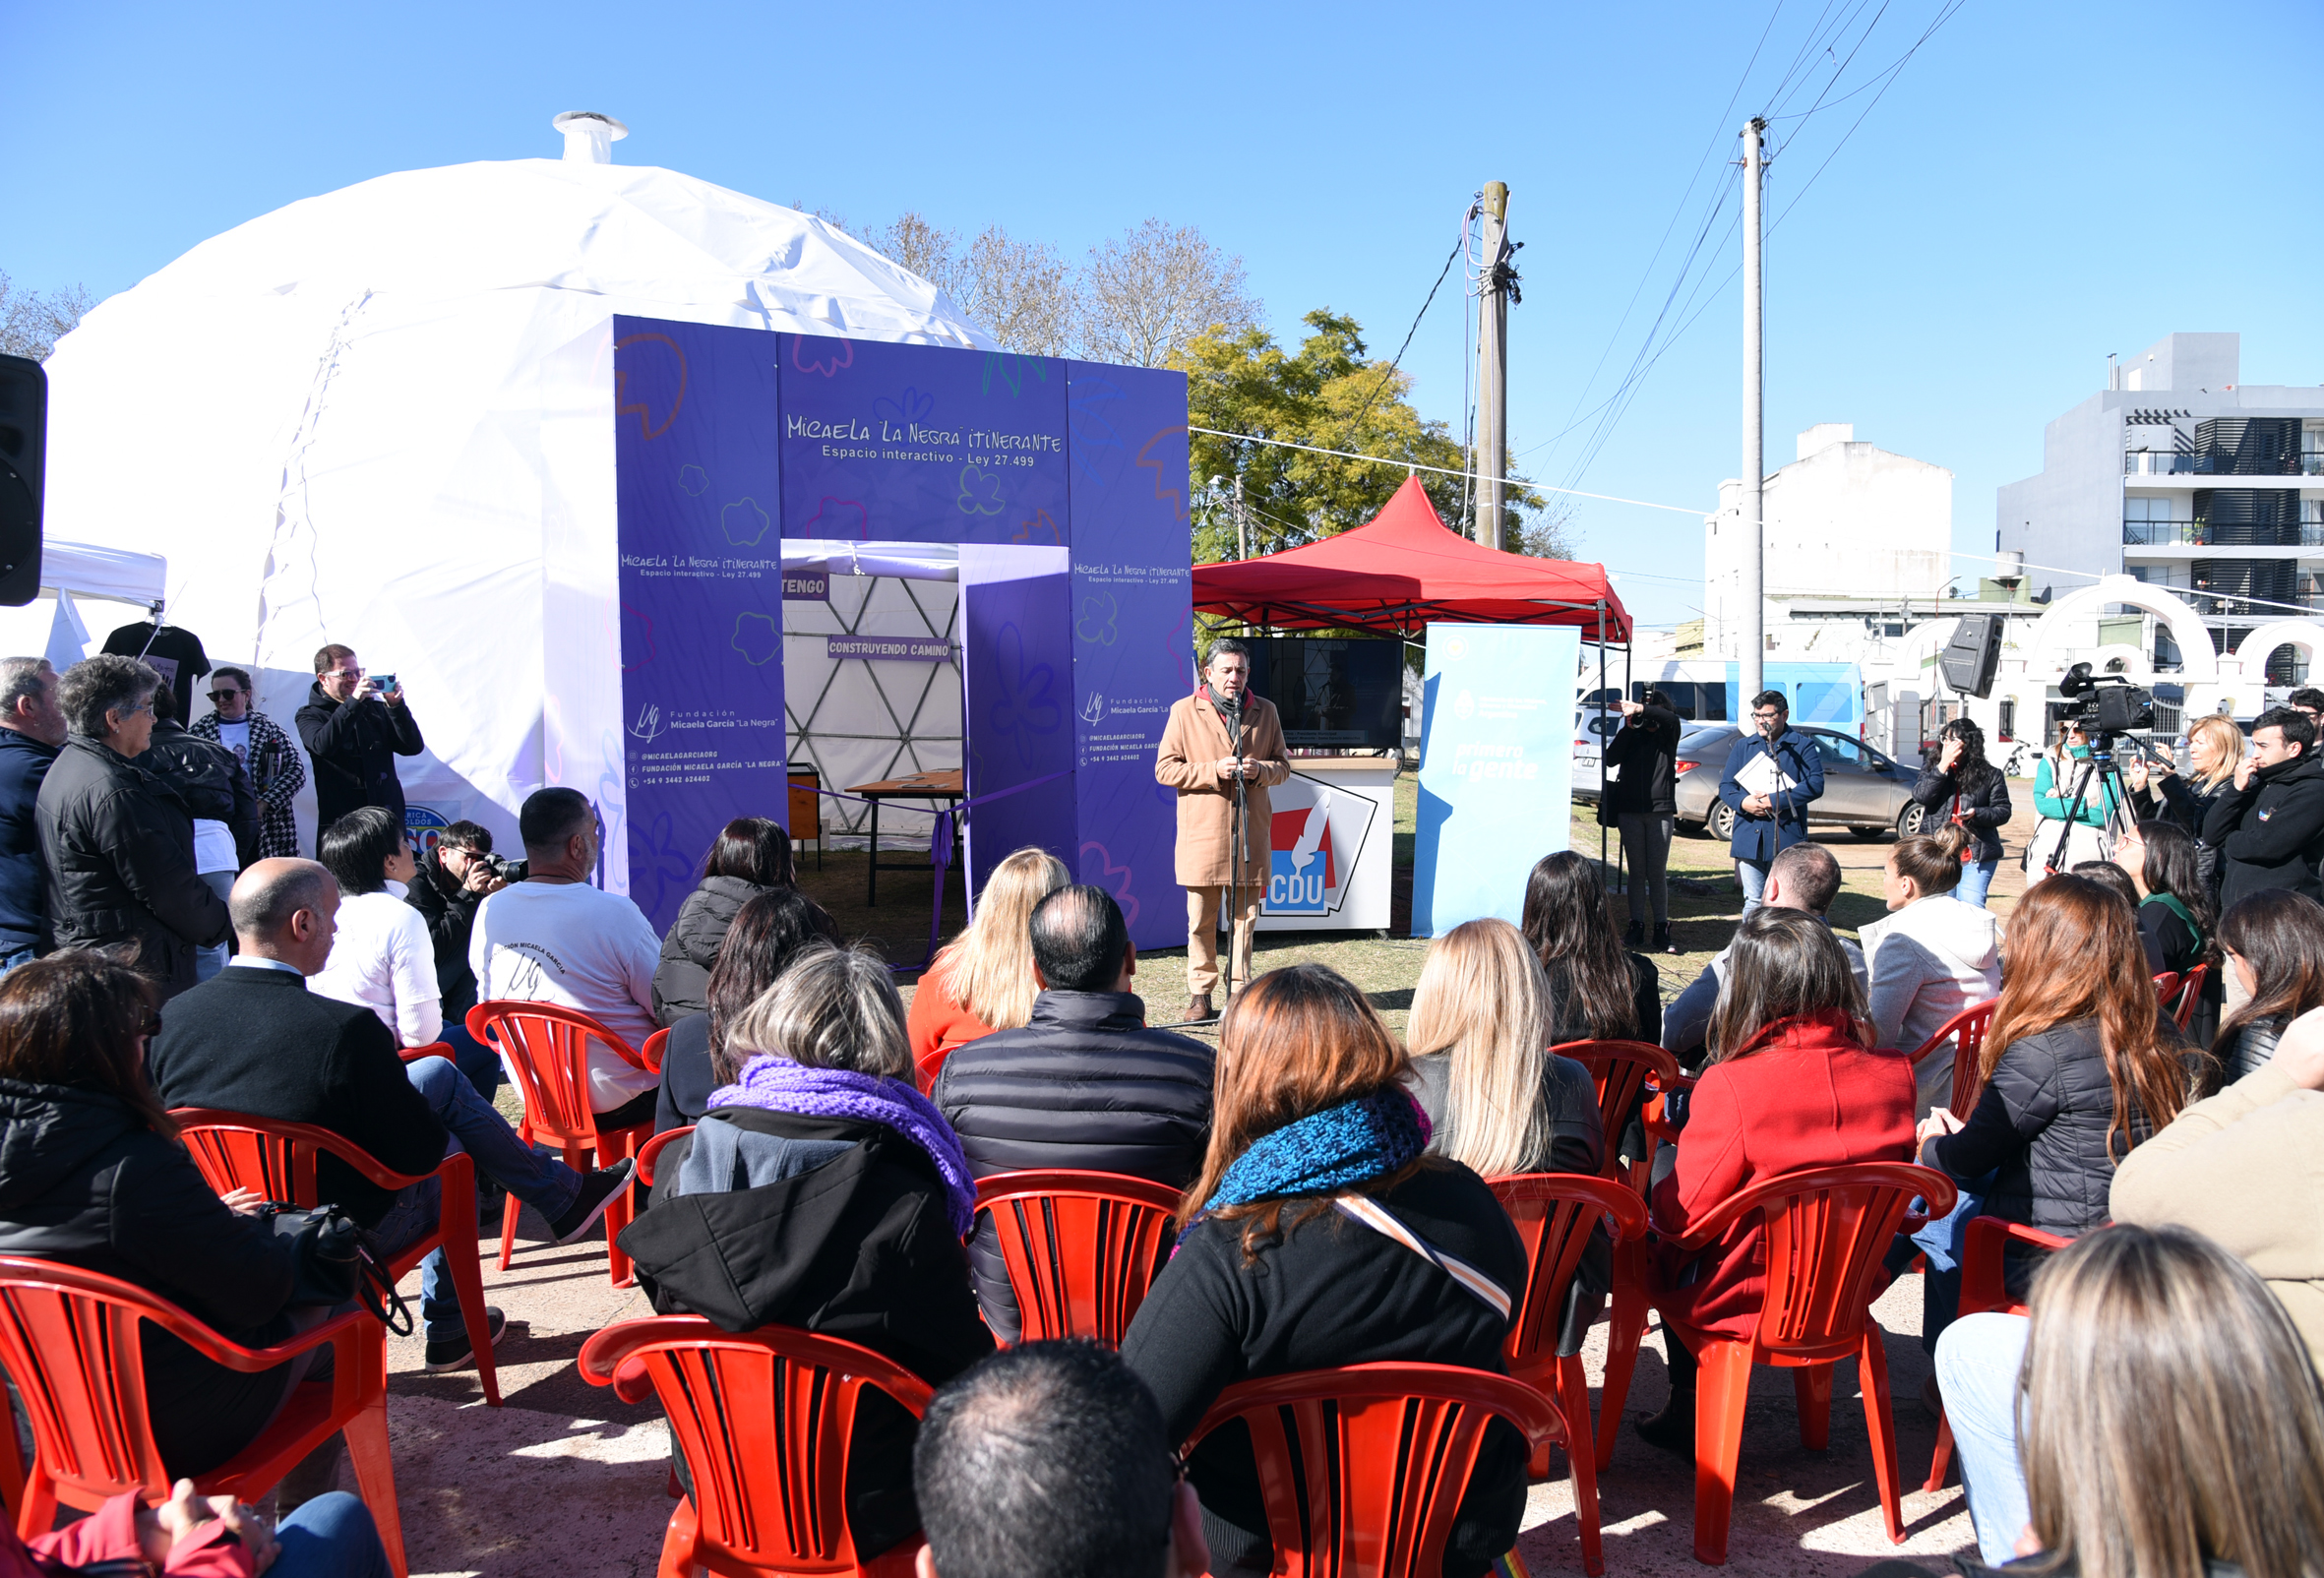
(1811, 1094)
(107, 1537)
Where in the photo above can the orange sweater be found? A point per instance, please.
(937, 1024)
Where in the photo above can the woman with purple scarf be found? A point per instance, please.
(1319, 1234)
(823, 1191)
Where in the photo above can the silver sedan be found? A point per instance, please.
(1863, 791)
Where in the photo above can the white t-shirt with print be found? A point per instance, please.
(580, 947)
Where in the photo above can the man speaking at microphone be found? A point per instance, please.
(1220, 737)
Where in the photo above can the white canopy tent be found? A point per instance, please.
(73, 573)
(383, 417)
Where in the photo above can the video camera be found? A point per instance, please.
(2111, 705)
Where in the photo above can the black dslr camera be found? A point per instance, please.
(2111, 705)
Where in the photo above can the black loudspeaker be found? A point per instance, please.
(24, 446)
(1971, 656)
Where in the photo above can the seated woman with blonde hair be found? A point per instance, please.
(1319, 1233)
(1500, 1100)
(982, 981)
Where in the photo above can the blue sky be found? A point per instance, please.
(2038, 186)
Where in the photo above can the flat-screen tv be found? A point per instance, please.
(1333, 690)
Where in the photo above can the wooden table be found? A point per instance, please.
(948, 785)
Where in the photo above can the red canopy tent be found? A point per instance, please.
(1402, 571)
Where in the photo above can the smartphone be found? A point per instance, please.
(383, 683)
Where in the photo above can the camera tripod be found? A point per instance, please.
(2102, 772)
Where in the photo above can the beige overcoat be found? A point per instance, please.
(1193, 743)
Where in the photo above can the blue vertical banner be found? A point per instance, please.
(1495, 767)
(1017, 676)
(699, 498)
(889, 443)
(1133, 596)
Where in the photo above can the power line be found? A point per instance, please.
(1442, 470)
(1441, 275)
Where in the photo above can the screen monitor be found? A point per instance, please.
(1333, 690)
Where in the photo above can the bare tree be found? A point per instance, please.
(31, 323)
(927, 250)
(1020, 292)
(1144, 296)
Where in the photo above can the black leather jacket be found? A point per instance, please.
(119, 844)
(2247, 1048)
(1985, 809)
(208, 778)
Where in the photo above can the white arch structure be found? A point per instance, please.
(2252, 655)
(2200, 663)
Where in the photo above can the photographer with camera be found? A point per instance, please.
(2269, 828)
(1772, 773)
(354, 726)
(1642, 805)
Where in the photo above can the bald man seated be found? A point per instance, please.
(254, 1040)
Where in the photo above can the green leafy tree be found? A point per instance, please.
(1327, 395)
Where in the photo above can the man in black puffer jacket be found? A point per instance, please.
(118, 842)
(2269, 826)
(1085, 1085)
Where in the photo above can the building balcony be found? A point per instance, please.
(2172, 463)
(2200, 534)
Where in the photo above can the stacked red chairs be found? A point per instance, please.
(1826, 1232)
(1362, 1468)
(74, 1342)
(1633, 1078)
(1082, 1247)
(763, 1420)
(1553, 1213)
(1982, 1291)
(276, 1160)
(547, 1048)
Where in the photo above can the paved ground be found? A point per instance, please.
(566, 1480)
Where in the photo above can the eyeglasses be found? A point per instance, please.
(342, 674)
(1767, 717)
(226, 695)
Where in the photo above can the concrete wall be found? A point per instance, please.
(1844, 519)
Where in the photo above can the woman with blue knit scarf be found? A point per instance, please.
(1319, 1234)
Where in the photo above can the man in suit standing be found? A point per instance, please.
(1222, 737)
(253, 1038)
(1772, 815)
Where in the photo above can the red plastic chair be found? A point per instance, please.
(74, 1341)
(547, 1047)
(2167, 985)
(1825, 1232)
(1363, 1467)
(929, 1065)
(434, 1048)
(652, 1051)
(1553, 1213)
(1082, 1247)
(650, 1152)
(277, 1160)
(763, 1420)
(1967, 1030)
(1982, 1291)
(1625, 1073)
(2191, 994)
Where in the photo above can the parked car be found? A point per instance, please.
(1863, 791)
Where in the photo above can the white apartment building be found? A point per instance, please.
(2181, 475)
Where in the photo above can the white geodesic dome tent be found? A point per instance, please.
(383, 417)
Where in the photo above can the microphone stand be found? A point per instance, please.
(1236, 829)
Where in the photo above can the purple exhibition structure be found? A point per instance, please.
(1065, 485)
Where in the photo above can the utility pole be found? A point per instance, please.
(1754, 436)
(1493, 366)
(1241, 523)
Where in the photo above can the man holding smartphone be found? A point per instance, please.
(354, 726)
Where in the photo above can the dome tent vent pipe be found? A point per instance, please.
(589, 136)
